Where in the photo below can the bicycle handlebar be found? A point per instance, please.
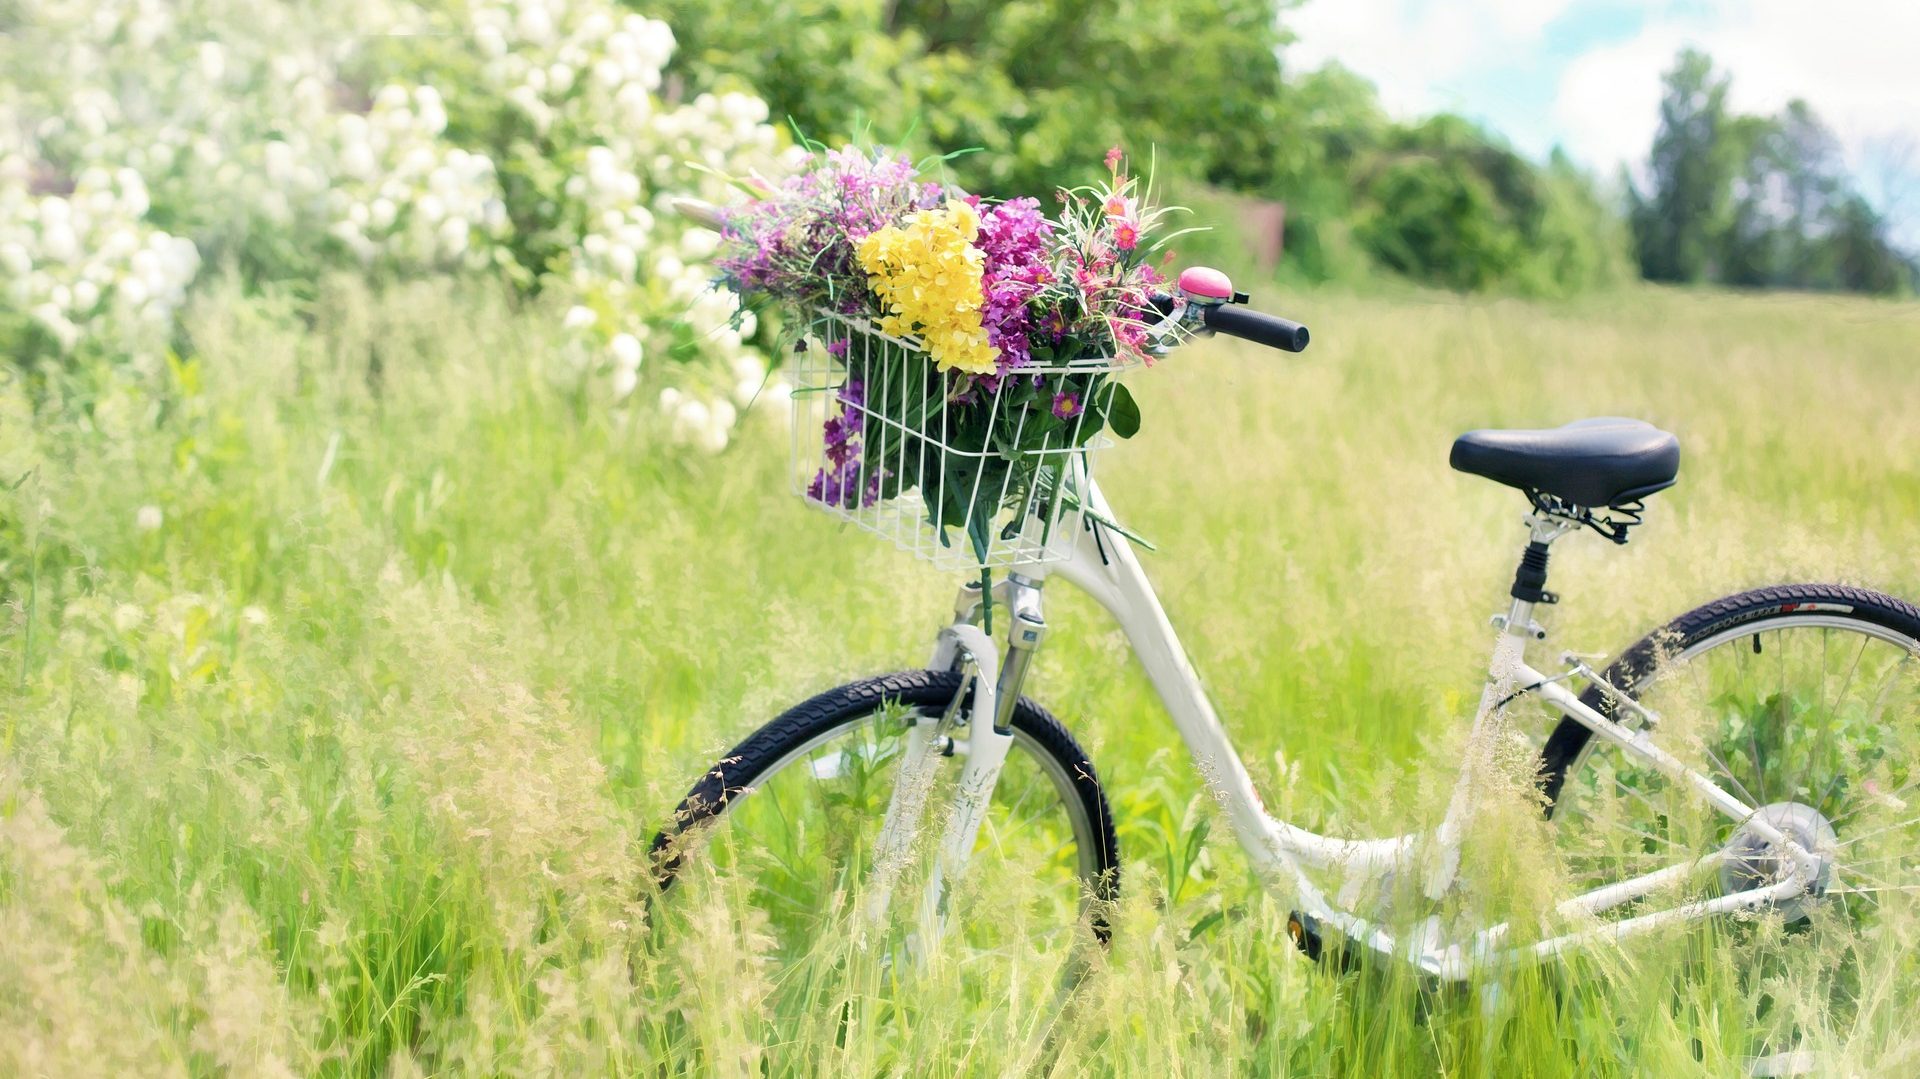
(1269, 330)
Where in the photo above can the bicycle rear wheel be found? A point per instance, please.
(787, 825)
(1803, 701)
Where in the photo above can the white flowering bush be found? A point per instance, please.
(597, 158)
(88, 264)
(400, 193)
(143, 141)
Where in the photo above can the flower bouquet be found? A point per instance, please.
(949, 346)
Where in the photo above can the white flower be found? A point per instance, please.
(279, 161)
(634, 102)
(148, 519)
(249, 115)
(699, 243)
(534, 24)
(357, 161)
(626, 351)
(748, 366)
(253, 616)
(212, 59)
(624, 381)
(433, 114)
(57, 241)
(454, 232)
(579, 318)
(690, 419)
(625, 263)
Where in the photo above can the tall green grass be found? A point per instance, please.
(349, 664)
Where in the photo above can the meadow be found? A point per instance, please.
(350, 664)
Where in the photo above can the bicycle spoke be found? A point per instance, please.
(1739, 787)
(1825, 715)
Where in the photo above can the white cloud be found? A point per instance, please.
(1857, 62)
(1608, 103)
(1413, 49)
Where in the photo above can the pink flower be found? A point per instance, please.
(1126, 234)
(1113, 159)
(1117, 205)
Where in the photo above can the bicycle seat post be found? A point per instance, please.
(1530, 576)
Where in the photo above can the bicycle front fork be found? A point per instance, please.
(985, 745)
(1020, 597)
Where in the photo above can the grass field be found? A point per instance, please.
(349, 666)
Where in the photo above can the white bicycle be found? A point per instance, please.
(1758, 752)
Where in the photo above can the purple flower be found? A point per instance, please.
(1014, 237)
(838, 484)
(797, 243)
(1066, 405)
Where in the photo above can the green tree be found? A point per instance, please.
(1863, 259)
(1755, 201)
(1677, 223)
(1043, 87)
(1783, 195)
(1444, 204)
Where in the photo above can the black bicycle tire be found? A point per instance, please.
(735, 774)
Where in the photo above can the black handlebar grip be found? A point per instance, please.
(1268, 330)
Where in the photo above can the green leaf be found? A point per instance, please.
(1123, 416)
(979, 530)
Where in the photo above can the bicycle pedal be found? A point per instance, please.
(1305, 934)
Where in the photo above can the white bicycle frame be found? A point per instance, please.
(1103, 564)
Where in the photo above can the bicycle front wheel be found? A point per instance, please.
(789, 825)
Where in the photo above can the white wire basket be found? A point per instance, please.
(996, 482)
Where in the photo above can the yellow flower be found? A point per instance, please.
(927, 275)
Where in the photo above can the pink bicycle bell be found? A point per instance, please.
(1205, 285)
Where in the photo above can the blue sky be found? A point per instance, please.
(1585, 74)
